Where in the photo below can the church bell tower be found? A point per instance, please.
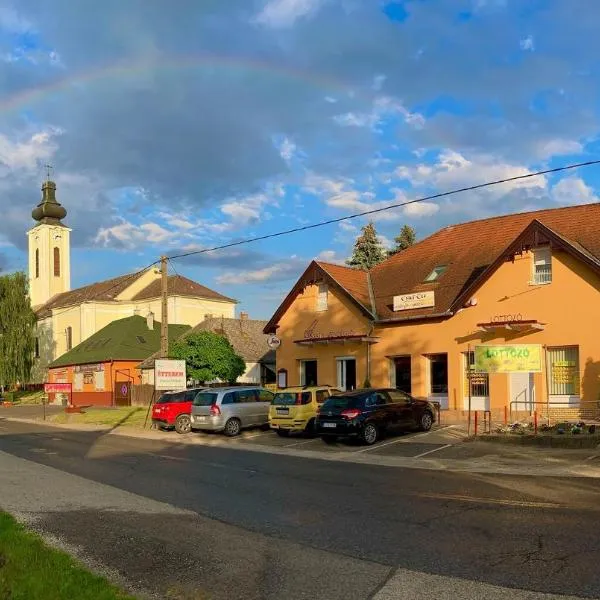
(49, 248)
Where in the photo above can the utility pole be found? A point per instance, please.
(164, 317)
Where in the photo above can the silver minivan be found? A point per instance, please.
(231, 409)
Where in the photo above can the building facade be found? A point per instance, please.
(66, 317)
(514, 286)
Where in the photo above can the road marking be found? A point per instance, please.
(500, 501)
(253, 435)
(39, 450)
(421, 434)
(432, 451)
(377, 446)
(180, 458)
(299, 443)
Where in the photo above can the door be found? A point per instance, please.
(264, 399)
(402, 369)
(521, 392)
(346, 374)
(248, 407)
(403, 409)
(122, 393)
(308, 372)
(381, 410)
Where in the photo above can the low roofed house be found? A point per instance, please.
(103, 368)
(248, 340)
(528, 283)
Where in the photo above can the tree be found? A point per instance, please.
(209, 356)
(368, 249)
(17, 326)
(406, 238)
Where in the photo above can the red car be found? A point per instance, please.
(172, 410)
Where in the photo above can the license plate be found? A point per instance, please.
(201, 419)
(283, 411)
(329, 425)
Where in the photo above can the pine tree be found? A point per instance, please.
(17, 325)
(368, 250)
(406, 238)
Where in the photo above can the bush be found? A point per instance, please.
(9, 396)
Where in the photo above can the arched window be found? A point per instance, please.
(56, 262)
(69, 332)
(37, 263)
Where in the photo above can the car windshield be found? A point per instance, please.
(205, 399)
(342, 402)
(290, 398)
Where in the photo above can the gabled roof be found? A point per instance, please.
(352, 283)
(109, 290)
(245, 335)
(471, 252)
(180, 286)
(125, 339)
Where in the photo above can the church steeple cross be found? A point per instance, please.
(49, 169)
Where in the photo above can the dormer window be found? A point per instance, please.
(436, 273)
(542, 266)
(322, 297)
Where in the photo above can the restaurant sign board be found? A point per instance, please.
(170, 375)
(416, 300)
(516, 358)
(57, 388)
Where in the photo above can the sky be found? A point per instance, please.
(180, 126)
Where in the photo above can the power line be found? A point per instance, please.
(384, 208)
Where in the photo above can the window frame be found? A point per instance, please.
(576, 386)
(541, 256)
(322, 302)
(56, 261)
(37, 263)
(435, 273)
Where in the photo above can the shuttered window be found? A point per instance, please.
(56, 262)
(322, 298)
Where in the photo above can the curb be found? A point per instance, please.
(482, 465)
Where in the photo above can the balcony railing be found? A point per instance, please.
(543, 274)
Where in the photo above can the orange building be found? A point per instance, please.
(497, 314)
(102, 370)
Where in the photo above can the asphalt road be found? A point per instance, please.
(222, 523)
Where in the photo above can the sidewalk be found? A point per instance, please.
(449, 451)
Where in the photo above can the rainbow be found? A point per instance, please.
(28, 97)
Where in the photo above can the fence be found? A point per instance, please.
(553, 412)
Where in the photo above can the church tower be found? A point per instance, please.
(49, 249)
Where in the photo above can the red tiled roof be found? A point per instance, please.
(354, 281)
(180, 286)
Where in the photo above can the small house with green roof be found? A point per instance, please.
(103, 368)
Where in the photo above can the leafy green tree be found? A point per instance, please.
(406, 238)
(17, 326)
(209, 356)
(368, 249)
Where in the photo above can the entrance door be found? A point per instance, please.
(403, 374)
(346, 370)
(308, 372)
(122, 393)
(521, 392)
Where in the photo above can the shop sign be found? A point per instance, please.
(517, 358)
(416, 300)
(311, 334)
(170, 375)
(57, 388)
(510, 318)
(88, 368)
(273, 342)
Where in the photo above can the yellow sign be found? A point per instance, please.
(518, 358)
(417, 300)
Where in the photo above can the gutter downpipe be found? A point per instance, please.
(372, 327)
(112, 384)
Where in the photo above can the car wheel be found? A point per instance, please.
(329, 439)
(283, 432)
(426, 421)
(310, 428)
(183, 424)
(232, 427)
(369, 434)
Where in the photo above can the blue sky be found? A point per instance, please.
(175, 127)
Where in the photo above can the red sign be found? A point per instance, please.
(57, 388)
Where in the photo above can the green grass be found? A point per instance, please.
(127, 416)
(30, 570)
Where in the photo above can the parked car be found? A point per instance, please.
(294, 409)
(172, 410)
(369, 413)
(231, 409)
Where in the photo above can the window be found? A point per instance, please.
(322, 297)
(69, 332)
(436, 273)
(37, 263)
(56, 262)
(282, 378)
(265, 396)
(245, 396)
(229, 398)
(322, 395)
(399, 397)
(542, 266)
(563, 371)
(140, 339)
(438, 373)
(480, 381)
(36, 348)
(292, 398)
(205, 399)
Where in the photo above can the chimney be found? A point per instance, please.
(244, 316)
(136, 311)
(208, 316)
(150, 321)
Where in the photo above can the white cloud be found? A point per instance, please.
(384, 107)
(11, 21)
(378, 82)
(345, 226)
(556, 147)
(248, 210)
(277, 271)
(29, 153)
(527, 44)
(330, 256)
(284, 13)
(573, 190)
(421, 209)
(287, 149)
